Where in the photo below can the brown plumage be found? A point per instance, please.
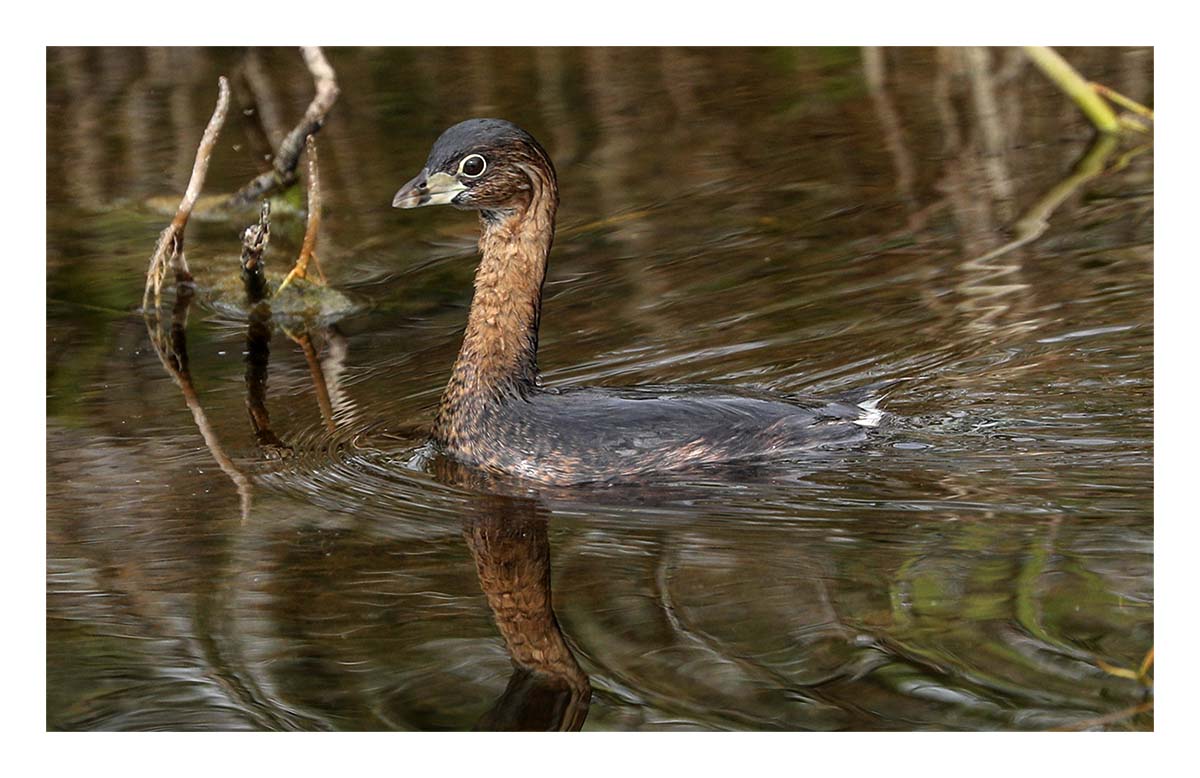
(495, 413)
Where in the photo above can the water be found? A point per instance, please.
(768, 218)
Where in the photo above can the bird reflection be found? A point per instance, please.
(547, 690)
(508, 539)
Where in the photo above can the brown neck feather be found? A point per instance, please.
(498, 358)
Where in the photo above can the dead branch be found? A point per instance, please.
(308, 248)
(283, 167)
(170, 243)
(313, 225)
(254, 243)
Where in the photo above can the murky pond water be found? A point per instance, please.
(799, 221)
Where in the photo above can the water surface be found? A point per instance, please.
(806, 221)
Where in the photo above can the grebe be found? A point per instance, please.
(495, 414)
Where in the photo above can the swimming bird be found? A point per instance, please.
(497, 415)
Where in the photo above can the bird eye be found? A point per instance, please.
(473, 166)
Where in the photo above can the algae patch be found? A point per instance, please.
(301, 299)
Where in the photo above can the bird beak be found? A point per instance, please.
(438, 189)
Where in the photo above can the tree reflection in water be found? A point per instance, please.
(802, 220)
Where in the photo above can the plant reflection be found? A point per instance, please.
(507, 536)
(979, 581)
(172, 352)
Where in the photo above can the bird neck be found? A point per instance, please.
(498, 358)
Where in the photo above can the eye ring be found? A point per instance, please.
(476, 160)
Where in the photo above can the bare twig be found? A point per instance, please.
(1132, 121)
(169, 250)
(283, 167)
(300, 269)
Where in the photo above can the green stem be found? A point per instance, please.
(1074, 86)
(1123, 101)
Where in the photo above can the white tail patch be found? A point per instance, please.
(871, 415)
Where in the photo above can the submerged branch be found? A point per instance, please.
(1141, 675)
(283, 167)
(169, 250)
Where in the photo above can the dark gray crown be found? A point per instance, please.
(477, 135)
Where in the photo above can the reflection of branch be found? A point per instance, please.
(283, 167)
(333, 365)
(258, 356)
(304, 341)
(987, 116)
(170, 243)
(889, 121)
(556, 113)
(81, 120)
(172, 352)
(1036, 218)
(1141, 675)
(1111, 718)
(548, 690)
(262, 115)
